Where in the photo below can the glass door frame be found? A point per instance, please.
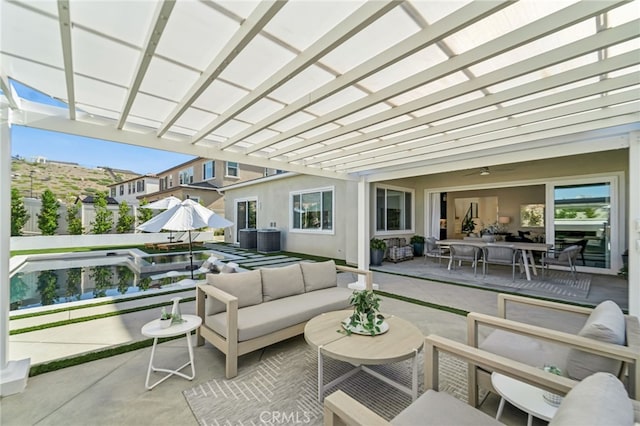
(617, 212)
(235, 214)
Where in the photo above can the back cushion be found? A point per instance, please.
(606, 324)
(599, 399)
(246, 286)
(281, 282)
(319, 275)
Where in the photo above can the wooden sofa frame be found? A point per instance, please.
(341, 409)
(629, 354)
(230, 345)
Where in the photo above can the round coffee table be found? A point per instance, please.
(402, 341)
(524, 396)
(153, 329)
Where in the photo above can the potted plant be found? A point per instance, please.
(366, 319)
(378, 248)
(468, 226)
(552, 398)
(165, 319)
(417, 241)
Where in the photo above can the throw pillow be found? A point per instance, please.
(318, 275)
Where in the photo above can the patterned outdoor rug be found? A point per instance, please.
(282, 389)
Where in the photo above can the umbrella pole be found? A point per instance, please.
(190, 254)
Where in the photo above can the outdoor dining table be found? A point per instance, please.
(527, 250)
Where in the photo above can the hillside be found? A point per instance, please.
(66, 180)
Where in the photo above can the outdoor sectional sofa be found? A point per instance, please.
(243, 312)
(608, 341)
(600, 399)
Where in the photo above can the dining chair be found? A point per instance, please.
(501, 255)
(433, 250)
(567, 257)
(466, 253)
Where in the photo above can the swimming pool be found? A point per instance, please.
(53, 279)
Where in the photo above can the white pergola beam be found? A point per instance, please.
(251, 27)
(64, 19)
(508, 139)
(8, 93)
(347, 28)
(334, 151)
(461, 18)
(160, 19)
(533, 31)
(489, 117)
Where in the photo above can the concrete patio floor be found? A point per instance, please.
(111, 391)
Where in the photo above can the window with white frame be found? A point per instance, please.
(186, 176)
(394, 209)
(113, 191)
(208, 170)
(140, 185)
(170, 181)
(121, 189)
(232, 169)
(312, 210)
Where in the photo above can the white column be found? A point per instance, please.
(634, 224)
(13, 374)
(363, 229)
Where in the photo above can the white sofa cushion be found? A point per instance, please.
(281, 282)
(318, 275)
(246, 286)
(265, 318)
(600, 399)
(606, 324)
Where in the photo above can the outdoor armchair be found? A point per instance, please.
(599, 399)
(608, 341)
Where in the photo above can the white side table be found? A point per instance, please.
(152, 329)
(524, 396)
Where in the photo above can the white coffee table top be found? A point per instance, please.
(524, 396)
(399, 343)
(153, 329)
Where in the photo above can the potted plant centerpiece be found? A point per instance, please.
(366, 318)
(378, 248)
(417, 241)
(165, 319)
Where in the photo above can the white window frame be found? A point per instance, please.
(227, 168)
(236, 201)
(374, 219)
(333, 211)
(189, 173)
(204, 170)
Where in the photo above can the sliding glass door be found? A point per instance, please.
(246, 214)
(584, 214)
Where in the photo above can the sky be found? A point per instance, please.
(30, 143)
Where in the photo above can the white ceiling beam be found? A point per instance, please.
(457, 139)
(160, 19)
(64, 19)
(535, 30)
(459, 19)
(548, 59)
(7, 91)
(251, 27)
(608, 138)
(347, 28)
(50, 118)
(511, 137)
(537, 86)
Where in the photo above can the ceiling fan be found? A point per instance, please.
(485, 171)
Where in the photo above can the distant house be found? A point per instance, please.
(134, 189)
(201, 178)
(89, 199)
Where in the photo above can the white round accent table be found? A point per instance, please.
(153, 329)
(524, 396)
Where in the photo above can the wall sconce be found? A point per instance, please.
(503, 220)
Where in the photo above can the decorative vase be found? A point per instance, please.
(176, 317)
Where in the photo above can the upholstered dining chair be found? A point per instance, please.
(465, 253)
(501, 255)
(433, 250)
(567, 257)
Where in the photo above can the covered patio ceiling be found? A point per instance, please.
(341, 89)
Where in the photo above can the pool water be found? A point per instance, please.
(66, 279)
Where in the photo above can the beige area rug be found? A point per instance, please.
(282, 389)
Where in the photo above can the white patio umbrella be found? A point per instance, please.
(163, 204)
(186, 216)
